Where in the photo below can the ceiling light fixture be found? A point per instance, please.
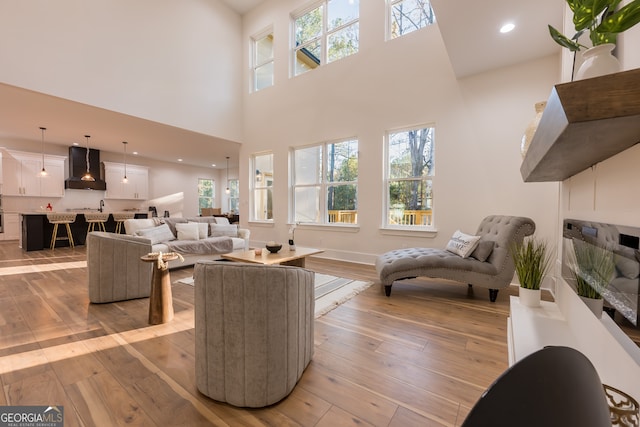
(87, 176)
(43, 172)
(125, 180)
(227, 190)
(506, 28)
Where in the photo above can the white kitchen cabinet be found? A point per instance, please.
(136, 187)
(21, 175)
(11, 226)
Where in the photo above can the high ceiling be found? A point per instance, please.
(469, 30)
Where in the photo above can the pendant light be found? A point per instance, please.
(87, 176)
(43, 172)
(227, 189)
(125, 180)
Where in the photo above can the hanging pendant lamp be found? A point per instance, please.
(43, 172)
(125, 180)
(227, 190)
(87, 176)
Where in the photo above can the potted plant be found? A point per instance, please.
(593, 269)
(532, 260)
(604, 23)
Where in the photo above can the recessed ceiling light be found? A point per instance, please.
(76, 143)
(507, 28)
(179, 160)
(213, 165)
(135, 152)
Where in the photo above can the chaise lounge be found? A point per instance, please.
(489, 266)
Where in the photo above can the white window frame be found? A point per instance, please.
(323, 185)
(390, 5)
(255, 65)
(253, 186)
(323, 37)
(387, 180)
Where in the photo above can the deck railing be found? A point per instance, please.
(415, 217)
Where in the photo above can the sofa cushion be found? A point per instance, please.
(203, 229)
(483, 250)
(161, 233)
(218, 230)
(462, 244)
(132, 226)
(187, 231)
(222, 220)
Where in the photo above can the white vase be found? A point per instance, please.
(595, 305)
(529, 297)
(531, 128)
(598, 61)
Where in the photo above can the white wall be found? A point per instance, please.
(174, 62)
(408, 81)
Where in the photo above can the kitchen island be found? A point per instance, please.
(36, 229)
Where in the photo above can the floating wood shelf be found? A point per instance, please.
(584, 122)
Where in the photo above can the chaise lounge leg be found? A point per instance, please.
(493, 294)
(387, 290)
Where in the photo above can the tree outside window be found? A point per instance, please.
(262, 60)
(325, 192)
(261, 198)
(234, 196)
(410, 178)
(327, 32)
(206, 194)
(406, 16)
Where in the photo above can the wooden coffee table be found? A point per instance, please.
(283, 257)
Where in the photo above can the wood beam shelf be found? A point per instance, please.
(584, 122)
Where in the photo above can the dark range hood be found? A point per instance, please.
(78, 167)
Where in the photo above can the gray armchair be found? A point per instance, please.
(495, 272)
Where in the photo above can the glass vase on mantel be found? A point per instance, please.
(598, 61)
(529, 297)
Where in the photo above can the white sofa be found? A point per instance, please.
(216, 229)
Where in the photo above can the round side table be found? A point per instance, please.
(160, 300)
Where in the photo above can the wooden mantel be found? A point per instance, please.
(584, 122)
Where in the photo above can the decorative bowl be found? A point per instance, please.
(274, 248)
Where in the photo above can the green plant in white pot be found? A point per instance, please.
(532, 260)
(593, 269)
(603, 22)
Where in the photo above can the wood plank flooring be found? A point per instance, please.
(419, 358)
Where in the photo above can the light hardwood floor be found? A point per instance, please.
(419, 358)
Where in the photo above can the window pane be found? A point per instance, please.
(264, 170)
(342, 12)
(264, 76)
(410, 202)
(307, 201)
(308, 164)
(308, 58)
(411, 153)
(263, 204)
(205, 187)
(410, 15)
(342, 161)
(308, 26)
(342, 203)
(264, 49)
(343, 43)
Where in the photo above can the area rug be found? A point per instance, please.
(330, 291)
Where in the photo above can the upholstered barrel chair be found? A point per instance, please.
(254, 330)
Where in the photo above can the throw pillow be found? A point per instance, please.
(203, 229)
(222, 220)
(462, 244)
(161, 233)
(187, 231)
(483, 250)
(218, 230)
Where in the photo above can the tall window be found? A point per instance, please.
(406, 16)
(206, 194)
(234, 195)
(410, 178)
(325, 191)
(325, 33)
(262, 187)
(263, 60)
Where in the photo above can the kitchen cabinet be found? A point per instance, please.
(136, 187)
(21, 174)
(11, 229)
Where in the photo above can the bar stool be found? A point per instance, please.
(61, 218)
(94, 218)
(120, 217)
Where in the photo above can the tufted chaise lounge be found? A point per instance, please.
(253, 330)
(494, 273)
